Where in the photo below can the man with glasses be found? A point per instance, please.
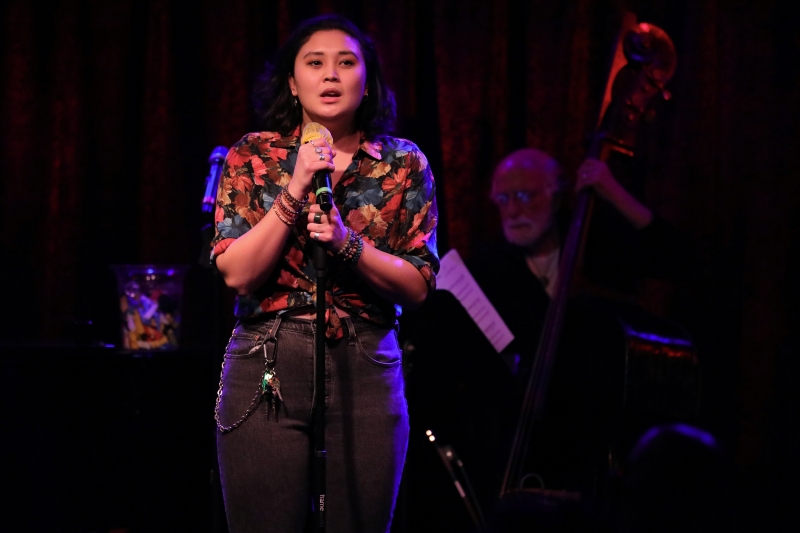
(459, 386)
(528, 189)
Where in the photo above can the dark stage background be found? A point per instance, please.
(109, 110)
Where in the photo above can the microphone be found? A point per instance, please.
(322, 179)
(216, 159)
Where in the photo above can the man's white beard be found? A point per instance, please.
(524, 237)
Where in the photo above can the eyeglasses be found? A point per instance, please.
(503, 199)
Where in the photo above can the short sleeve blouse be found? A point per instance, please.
(387, 195)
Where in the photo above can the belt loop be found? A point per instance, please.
(351, 330)
(272, 336)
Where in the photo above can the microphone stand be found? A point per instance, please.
(319, 465)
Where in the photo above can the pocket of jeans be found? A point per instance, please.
(241, 344)
(241, 377)
(379, 347)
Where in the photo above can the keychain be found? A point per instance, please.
(271, 385)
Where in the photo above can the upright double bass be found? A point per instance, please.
(644, 62)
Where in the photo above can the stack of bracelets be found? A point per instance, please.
(289, 213)
(351, 250)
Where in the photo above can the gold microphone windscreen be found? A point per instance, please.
(314, 130)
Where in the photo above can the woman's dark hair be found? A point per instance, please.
(275, 106)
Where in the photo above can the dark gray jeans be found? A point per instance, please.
(265, 464)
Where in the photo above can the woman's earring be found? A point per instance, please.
(295, 101)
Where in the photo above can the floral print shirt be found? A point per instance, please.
(386, 195)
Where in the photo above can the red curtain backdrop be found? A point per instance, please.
(110, 109)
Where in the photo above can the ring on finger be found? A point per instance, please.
(316, 235)
(317, 218)
(318, 150)
(321, 157)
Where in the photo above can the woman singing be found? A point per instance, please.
(380, 237)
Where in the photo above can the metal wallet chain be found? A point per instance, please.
(256, 399)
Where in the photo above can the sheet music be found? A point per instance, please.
(454, 277)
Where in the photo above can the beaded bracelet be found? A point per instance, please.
(286, 220)
(292, 201)
(348, 244)
(289, 223)
(283, 212)
(351, 250)
(357, 254)
(285, 209)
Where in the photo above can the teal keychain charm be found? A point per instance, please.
(271, 385)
